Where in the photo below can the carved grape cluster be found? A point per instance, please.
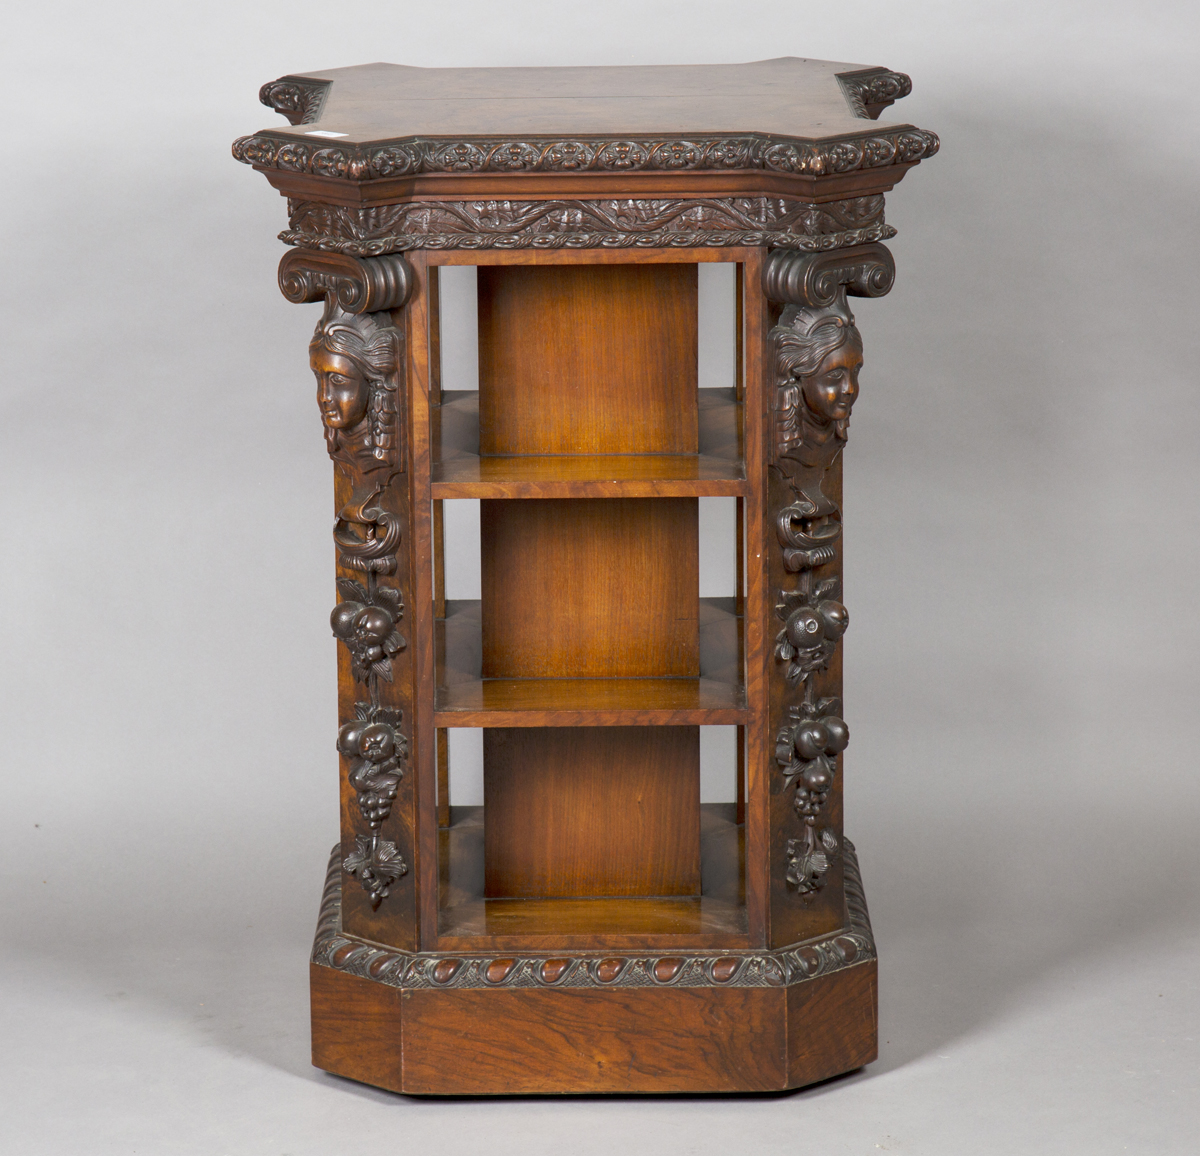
(807, 749)
(367, 626)
(376, 751)
(812, 626)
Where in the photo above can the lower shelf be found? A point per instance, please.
(516, 924)
(451, 1024)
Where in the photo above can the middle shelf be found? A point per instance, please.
(458, 469)
(463, 698)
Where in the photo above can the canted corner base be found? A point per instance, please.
(431, 1024)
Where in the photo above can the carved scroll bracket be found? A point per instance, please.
(822, 280)
(355, 284)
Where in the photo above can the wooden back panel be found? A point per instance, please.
(591, 811)
(591, 588)
(587, 359)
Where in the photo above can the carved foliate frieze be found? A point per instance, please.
(817, 355)
(586, 224)
(869, 150)
(852, 944)
(357, 357)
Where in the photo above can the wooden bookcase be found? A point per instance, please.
(593, 926)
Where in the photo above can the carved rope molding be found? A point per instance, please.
(357, 356)
(586, 224)
(817, 349)
(868, 150)
(853, 945)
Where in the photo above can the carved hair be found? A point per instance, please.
(805, 336)
(372, 344)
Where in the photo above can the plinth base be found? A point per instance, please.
(458, 1025)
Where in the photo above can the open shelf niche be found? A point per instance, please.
(590, 661)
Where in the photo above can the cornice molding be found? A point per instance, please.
(412, 156)
(787, 967)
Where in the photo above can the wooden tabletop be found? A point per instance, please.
(784, 97)
(789, 115)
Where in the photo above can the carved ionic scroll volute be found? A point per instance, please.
(817, 353)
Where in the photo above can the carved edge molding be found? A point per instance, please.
(853, 945)
(846, 154)
(587, 224)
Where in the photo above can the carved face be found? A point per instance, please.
(831, 391)
(342, 391)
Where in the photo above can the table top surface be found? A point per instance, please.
(788, 96)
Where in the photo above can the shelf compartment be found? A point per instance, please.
(459, 471)
(714, 919)
(463, 698)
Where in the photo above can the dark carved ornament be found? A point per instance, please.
(297, 98)
(365, 620)
(867, 150)
(576, 224)
(428, 971)
(873, 89)
(377, 864)
(817, 353)
(807, 748)
(813, 623)
(357, 357)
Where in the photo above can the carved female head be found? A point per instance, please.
(823, 349)
(355, 358)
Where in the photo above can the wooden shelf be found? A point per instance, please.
(463, 698)
(714, 920)
(459, 471)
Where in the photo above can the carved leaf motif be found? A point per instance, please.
(351, 590)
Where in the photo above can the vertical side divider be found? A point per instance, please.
(421, 322)
(754, 318)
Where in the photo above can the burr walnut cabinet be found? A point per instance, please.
(593, 926)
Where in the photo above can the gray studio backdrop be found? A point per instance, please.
(1021, 556)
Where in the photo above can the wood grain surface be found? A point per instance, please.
(584, 812)
(594, 588)
(587, 359)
